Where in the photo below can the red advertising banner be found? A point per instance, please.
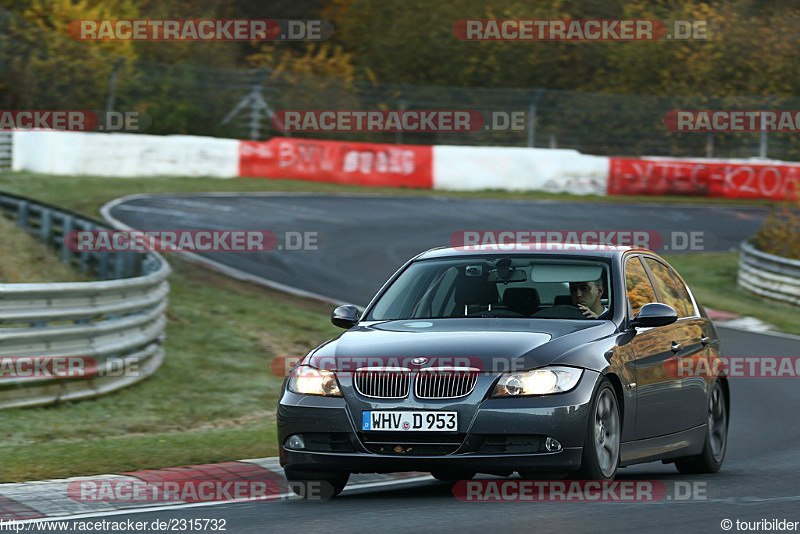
(695, 178)
(369, 164)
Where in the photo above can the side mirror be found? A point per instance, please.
(654, 314)
(345, 316)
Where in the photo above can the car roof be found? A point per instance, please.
(566, 249)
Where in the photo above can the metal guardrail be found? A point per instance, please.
(5, 151)
(117, 322)
(769, 276)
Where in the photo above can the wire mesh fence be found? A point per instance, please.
(44, 70)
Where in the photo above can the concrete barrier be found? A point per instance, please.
(467, 168)
(447, 168)
(124, 155)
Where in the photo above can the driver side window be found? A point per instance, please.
(638, 287)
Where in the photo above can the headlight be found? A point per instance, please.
(311, 381)
(537, 382)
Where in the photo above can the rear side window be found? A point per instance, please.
(640, 292)
(687, 300)
(668, 291)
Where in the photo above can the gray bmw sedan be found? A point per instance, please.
(531, 359)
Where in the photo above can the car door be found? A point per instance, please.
(692, 335)
(657, 396)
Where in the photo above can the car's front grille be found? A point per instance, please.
(430, 383)
(445, 382)
(417, 438)
(401, 449)
(382, 382)
(415, 444)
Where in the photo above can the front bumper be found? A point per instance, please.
(495, 436)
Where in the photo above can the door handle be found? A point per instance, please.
(705, 340)
(676, 346)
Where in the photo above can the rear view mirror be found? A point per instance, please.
(345, 316)
(654, 314)
(509, 276)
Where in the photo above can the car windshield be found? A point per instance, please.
(498, 286)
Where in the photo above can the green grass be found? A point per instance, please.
(29, 260)
(214, 398)
(712, 277)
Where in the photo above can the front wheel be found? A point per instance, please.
(710, 460)
(601, 448)
(312, 485)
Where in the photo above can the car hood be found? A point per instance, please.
(486, 343)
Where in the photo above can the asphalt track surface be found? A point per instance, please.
(369, 237)
(364, 239)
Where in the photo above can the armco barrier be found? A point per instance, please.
(768, 275)
(118, 321)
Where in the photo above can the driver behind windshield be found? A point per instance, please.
(586, 296)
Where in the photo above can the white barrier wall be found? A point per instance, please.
(466, 168)
(124, 155)
(454, 168)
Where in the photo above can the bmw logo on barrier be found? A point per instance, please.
(419, 360)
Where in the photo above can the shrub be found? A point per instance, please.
(780, 234)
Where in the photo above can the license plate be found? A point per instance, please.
(409, 421)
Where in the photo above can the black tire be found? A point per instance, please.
(313, 485)
(452, 475)
(716, 443)
(600, 458)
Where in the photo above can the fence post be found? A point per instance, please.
(45, 222)
(112, 85)
(763, 143)
(398, 136)
(532, 118)
(66, 228)
(22, 214)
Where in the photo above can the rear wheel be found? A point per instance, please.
(601, 449)
(710, 460)
(451, 475)
(314, 485)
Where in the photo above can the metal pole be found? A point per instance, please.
(532, 118)
(710, 145)
(531, 125)
(762, 138)
(112, 85)
(398, 136)
(255, 112)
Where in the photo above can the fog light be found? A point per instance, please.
(552, 445)
(295, 442)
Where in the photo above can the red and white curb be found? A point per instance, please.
(48, 499)
(731, 320)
